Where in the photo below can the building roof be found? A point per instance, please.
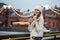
(1, 4)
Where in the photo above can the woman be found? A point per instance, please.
(36, 26)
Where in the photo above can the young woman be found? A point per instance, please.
(36, 26)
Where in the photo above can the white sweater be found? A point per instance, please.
(39, 28)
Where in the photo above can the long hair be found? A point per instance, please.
(38, 14)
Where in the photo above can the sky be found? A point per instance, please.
(30, 4)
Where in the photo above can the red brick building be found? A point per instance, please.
(52, 20)
(12, 17)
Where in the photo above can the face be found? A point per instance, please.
(36, 11)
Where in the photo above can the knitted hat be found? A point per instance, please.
(40, 8)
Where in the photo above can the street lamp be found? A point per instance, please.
(7, 8)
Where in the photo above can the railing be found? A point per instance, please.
(45, 35)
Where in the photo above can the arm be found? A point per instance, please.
(31, 25)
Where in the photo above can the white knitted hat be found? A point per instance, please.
(40, 8)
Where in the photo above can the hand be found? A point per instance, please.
(38, 19)
(30, 20)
